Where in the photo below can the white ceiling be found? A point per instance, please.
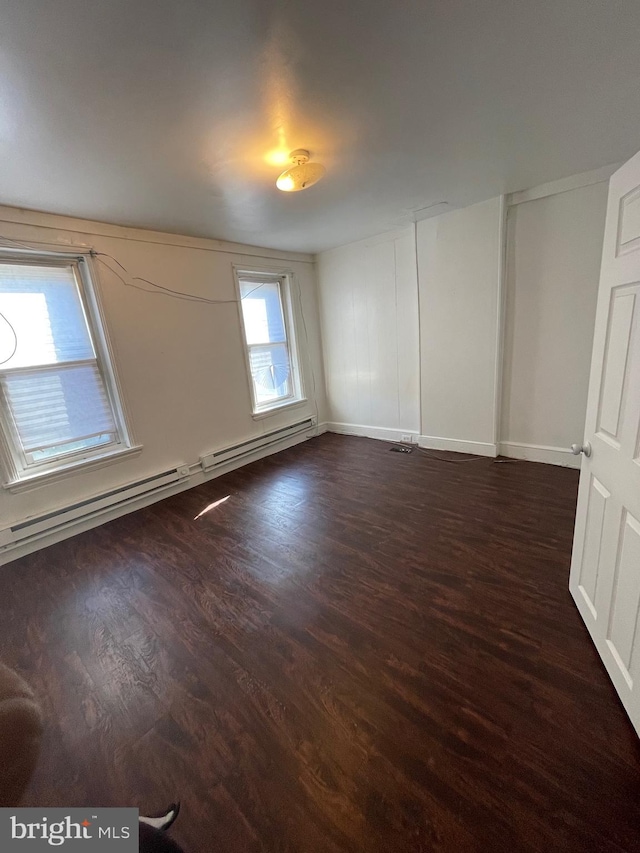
(160, 113)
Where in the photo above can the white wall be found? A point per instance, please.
(554, 246)
(459, 263)
(181, 364)
(386, 356)
(383, 362)
(369, 309)
(481, 376)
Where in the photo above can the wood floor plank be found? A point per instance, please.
(357, 651)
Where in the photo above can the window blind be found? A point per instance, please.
(266, 338)
(52, 385)
(44, 308)
(53, 407)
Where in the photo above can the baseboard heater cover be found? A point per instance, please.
(34, 528)
(245, 448)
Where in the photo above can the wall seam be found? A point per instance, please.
(500, 320)
(417, 266)
(395, 286)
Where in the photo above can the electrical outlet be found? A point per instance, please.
(407, 438)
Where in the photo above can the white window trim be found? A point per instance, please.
(31, 481)
(17, 474)
(287, 285)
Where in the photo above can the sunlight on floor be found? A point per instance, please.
(211, 506)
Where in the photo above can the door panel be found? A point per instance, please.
(626, 597)
(629, 230)
(605, 568)
(615, 362)
(596, 509)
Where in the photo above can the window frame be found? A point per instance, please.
(286, 285)
(18, 471)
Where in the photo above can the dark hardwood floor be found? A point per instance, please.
(357, 651)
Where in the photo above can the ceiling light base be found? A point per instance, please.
(299, 157)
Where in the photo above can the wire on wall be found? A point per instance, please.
(160, 288)
(177, 294)
(190, 297)
(4, 317)
(15, 339)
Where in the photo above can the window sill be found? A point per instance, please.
(273, 410)
(32, 481)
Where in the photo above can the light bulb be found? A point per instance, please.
(286, 183)
(302, 175)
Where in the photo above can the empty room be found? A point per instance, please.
(320, 426)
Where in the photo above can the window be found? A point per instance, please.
(268, 330)
(57, 395)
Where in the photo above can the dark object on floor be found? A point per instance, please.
(154, 840)
(400, 449)
(20, 734)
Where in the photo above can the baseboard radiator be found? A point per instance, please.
(35, 528)
(23, 533)
(246, 448)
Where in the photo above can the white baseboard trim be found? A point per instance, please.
(540, 453)
(365, 431)
(196, 477)
(478, 448)
(323, 426)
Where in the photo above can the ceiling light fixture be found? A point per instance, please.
(302, 174)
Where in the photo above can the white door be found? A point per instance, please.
(605, 568)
